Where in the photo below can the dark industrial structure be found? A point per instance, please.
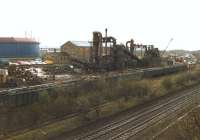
(105, 54)
(11, 47)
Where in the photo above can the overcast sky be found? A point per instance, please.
(54, 22)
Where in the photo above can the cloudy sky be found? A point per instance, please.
(54, 22)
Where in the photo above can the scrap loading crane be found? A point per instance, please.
(168, 59)
(170, 41)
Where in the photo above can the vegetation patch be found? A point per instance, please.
(91, 100)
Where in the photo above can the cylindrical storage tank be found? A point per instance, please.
(19, 48)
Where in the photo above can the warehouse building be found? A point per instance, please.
(80, 49)
(77, 49)
(18, 48)
(74, 49)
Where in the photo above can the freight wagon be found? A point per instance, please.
(28, 95)
(154, 72)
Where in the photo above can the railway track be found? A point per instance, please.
(133, 124)
(149, 121)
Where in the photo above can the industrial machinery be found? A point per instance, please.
(107, 55)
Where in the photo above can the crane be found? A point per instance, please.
(170, 41)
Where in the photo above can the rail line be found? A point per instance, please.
(123, 126)
(153, 118)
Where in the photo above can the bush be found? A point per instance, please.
(126, 90)
(182, 80)
(142, 89)
(44, 97)
(95, 98)
(62, 106)
(83, 104)
(195, 76)
(167, 83)
(134, 89)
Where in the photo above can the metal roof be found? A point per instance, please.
(16, 40)
(85, 44)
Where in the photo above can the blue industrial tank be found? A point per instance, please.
(19, 48)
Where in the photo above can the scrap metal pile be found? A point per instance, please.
(22, 76)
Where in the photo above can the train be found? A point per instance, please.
(30, 94)
(159, 71)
